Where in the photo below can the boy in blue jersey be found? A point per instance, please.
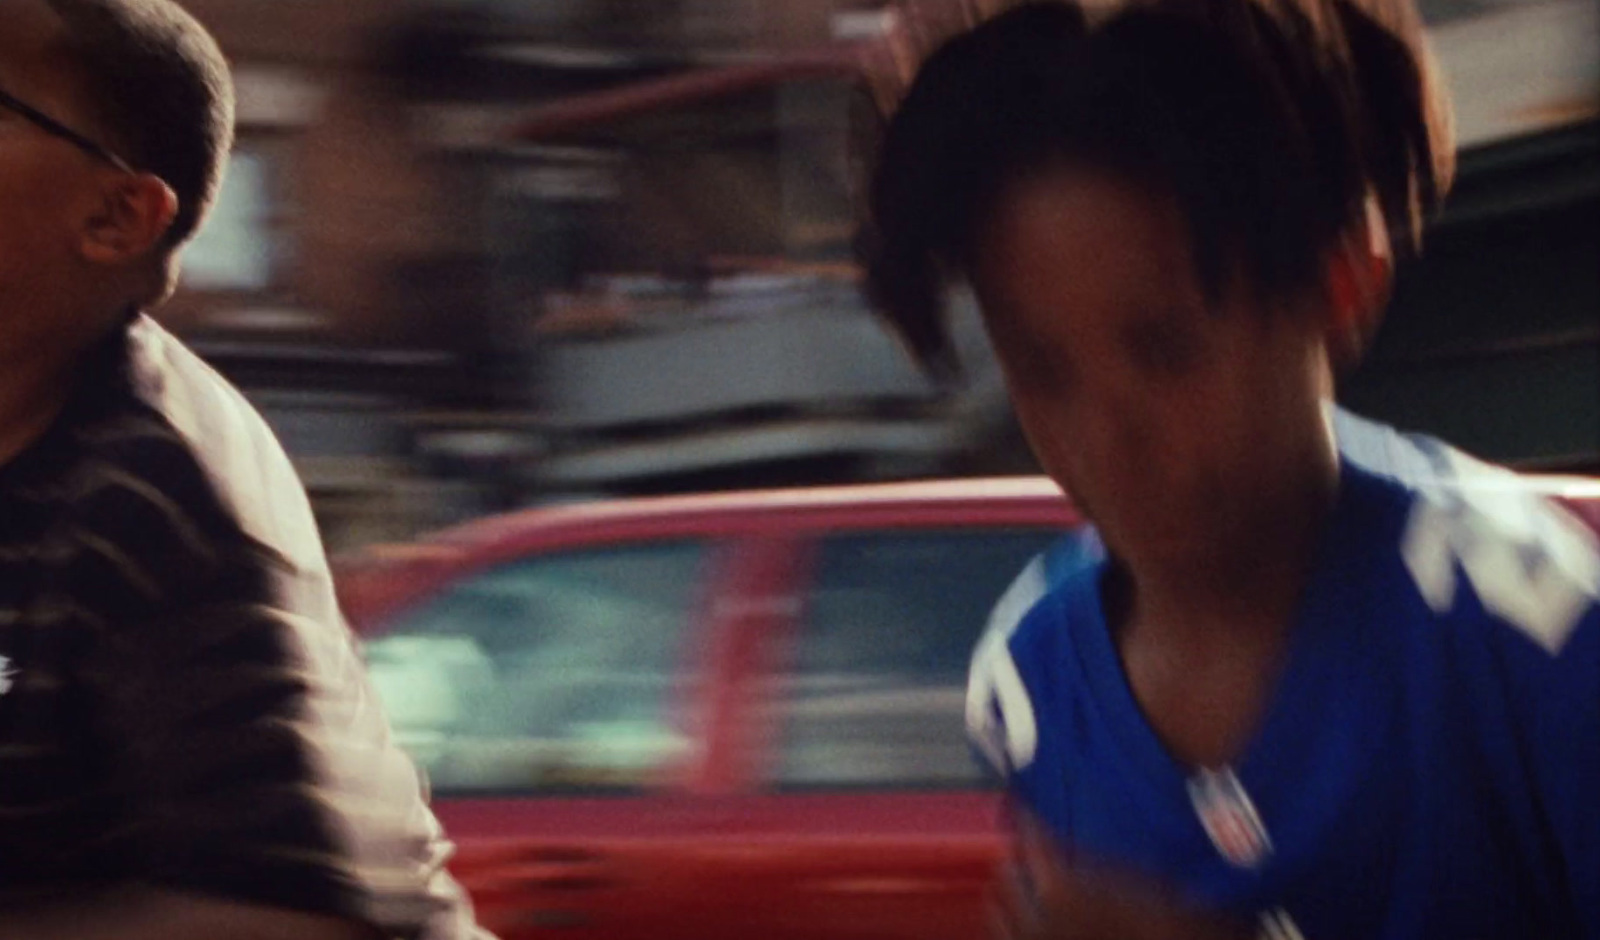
(1290, 693)
(1373, 447)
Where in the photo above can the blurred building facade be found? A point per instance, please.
(475, 254)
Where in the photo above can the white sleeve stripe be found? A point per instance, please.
(1000, 719)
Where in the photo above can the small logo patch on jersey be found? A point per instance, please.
(1229, 817)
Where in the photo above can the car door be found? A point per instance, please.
(554, 702)
(876, 821)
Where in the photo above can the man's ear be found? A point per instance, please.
(133, 216)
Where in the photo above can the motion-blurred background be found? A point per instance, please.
(475, 255)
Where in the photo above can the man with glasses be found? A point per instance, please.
(188, 744)
(50, 125)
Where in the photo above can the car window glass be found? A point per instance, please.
(876, 692)
(556, 672)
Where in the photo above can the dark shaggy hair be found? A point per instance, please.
(160, 91)
(1270, 122)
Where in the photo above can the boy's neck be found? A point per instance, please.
(1203, 640)
(1244, 582)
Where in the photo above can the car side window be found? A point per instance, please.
(875, 696)
(553, 673)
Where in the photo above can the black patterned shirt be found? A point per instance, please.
(181, 703)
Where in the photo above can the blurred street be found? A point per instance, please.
(704, 612)
(474, 256)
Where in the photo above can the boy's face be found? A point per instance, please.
(1172, 422)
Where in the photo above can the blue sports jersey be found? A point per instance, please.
(1429, 766)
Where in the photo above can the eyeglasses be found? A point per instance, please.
(55, 128)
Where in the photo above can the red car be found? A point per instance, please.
(714, 717)
(708, 717)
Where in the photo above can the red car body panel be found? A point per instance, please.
(713, 852)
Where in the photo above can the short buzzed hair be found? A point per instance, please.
(159, 88)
